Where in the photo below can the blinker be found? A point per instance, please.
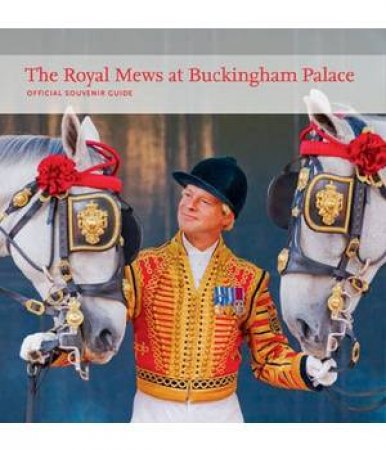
(328, 203)
(94, 222)
(280, 195)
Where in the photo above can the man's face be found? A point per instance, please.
(201, 212)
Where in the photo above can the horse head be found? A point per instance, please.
(337, 239)
(63, 231)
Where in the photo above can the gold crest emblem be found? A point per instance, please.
(329, 203)
(92, 221)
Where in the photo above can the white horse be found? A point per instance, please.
(104, 322)
(308, 299)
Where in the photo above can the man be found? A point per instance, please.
(192, 302)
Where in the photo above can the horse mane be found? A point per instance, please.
(15, 149)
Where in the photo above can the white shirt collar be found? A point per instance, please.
(193, 250)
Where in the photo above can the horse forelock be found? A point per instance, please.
(377, 123)
(353, 124)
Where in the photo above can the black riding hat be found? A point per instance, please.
(220, 176)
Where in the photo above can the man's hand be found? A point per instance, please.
(31, 349)
(320, 371)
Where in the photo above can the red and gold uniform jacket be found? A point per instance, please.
(188, 348)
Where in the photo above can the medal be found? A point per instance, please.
(228, 300)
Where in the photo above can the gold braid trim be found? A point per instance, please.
(182, 390)
(152, 318)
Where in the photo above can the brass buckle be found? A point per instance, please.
(355, 353)
(51, 301)
(335, 302)
(63, 264)
(369, 179)
(352, 248)
(44, 198)
(358, 284)
(62, 196)
(35, 307)
(282, 260)
(47, 197)
(378, 183)
(303, 178)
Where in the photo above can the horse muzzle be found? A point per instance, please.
(98, 357)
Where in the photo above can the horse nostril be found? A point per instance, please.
(106, 339)
(307, 333)
(305, 329)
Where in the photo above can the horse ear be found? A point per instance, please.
(320, 112)
(74, 141)
(88, 130)
(70, 132)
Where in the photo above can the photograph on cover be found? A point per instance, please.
(204, 263)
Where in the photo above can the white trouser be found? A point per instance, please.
(147, 408)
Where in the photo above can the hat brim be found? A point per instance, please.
(184, 178)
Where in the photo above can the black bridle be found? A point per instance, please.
(63, 303)
(307, 184)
